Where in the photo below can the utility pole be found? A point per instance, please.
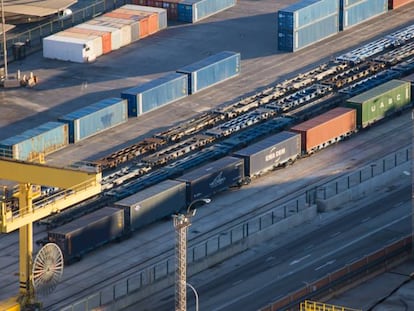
(181, 224)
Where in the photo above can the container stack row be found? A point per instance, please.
(185, 81)
(85, 42)
(309, 21)
(107, 113)
(190, 11)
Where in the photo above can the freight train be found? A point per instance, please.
(234, 168)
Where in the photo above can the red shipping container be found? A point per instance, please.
(326, 128)
(140, 2)
(393, 4)
(106, 37)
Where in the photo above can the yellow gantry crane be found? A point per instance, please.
(77, 184)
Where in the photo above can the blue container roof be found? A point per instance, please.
(299, 5)
(39, 130)
(80, 113)
(154, 83)
(208, 61)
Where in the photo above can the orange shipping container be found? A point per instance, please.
(326, 128)
(106, 37)
(393, 4)
(153, 25)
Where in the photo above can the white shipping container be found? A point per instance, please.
(67, 49)
(115, 33)
(93, 41)
(124, 28)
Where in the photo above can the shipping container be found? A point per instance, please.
(211, 178)
(105, 36)
(153, 203)
(269, 153)
(192, 11)
(115, 33)
(355, 12)
(211, 70)
(95, 118)
(295, 40)
(380, 101)
(410, 79)
(151, 17)
(67, 49)
(325, 129)
(125, 29)
(94, 42)
(170, 5)
(306, 12)
(41, 140)
(394, 4)
(134, 25)
(155, 93)
(162, 13)
(88, 232)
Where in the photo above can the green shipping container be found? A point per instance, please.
(380, 101)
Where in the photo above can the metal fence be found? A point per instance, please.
(241, 231)
(32, 38)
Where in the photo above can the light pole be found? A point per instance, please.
(195, 294)
(3, 23)
(181, 223)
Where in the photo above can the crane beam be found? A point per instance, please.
(40, 174)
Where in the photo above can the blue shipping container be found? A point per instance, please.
(211, 70)
(95, 118)
(156, 93)
(306, 12)
(295, 40)
(353, 13)
(192, 11)
(43, 139)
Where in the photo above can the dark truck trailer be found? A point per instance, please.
(153, 203)
(88, 232)
(209, 179)
(270, 153)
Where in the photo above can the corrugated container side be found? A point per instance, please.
(192, 11)
(156, 93)
(162, 12)
(360, 12)
(213, 177)
(105, 36)
(306, 36)
(153, 203)
(380, 101)
(270, 152)
(211, 70)
(43, 139)
(67, 49)
(133, 24)
(306, 12)
(95, 118)
(115, 32)
(394, 4)
(88, 232)
(93, 42)
(320, 131)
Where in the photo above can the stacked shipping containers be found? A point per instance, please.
(380, 101)
(43, 139)
(95, 118)
(394, 4)
(85, 42)
(307, 22)
(156, 93)
(211, 70)
(354, 12)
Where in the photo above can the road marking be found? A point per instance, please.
(406, 173)
(365, 219)
(330, 262)
(237, 282)
(299, 260)
(270, 258)
(308, 247)
(335, 234)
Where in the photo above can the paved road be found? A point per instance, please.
(281, 268)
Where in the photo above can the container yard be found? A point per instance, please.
(183, 142)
